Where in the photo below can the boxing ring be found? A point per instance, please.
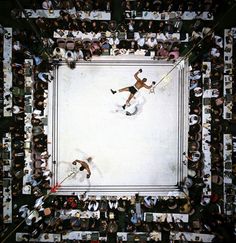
(142, 153)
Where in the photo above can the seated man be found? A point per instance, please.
(162, 53)
(174, 54)
(149, 201)
(113, 204)
(71, 59)
(45, 77)
(93, 205)
(47, 4)
(59, 53)
(151, 43)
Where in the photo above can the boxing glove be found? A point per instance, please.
(140, 70)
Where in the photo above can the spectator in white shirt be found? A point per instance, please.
(131, 25)
(215, 52)
(219, 41)
(79, 54)
(17, 46)
(39, 203)
(45, 77)
(141, 42)
(70, 59)
(196, 35)
(113, 41)
(24, 211)
(211, 93)
(113, 204)
(197, 91)
(93, 205)
(195, 75)
(161, 36)
(193, 119)
(151, 42)
(16, 109)
(150, 201)
(33, 217)
(47, 4)
(59, 52)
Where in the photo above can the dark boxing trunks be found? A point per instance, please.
(132, 90)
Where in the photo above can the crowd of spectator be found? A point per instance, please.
(79, 5)
(87, 38)
(1, 71)
(46, 213)
(149, 5)
(171, 5)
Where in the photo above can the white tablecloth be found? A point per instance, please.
(161, 217)
(41, 238)
(7, 206)
(93, 15)
(76, 34)
(7, 71)
(63, 34)
(83, 214)
(79, 235)
(191, 236)
(6, 141)
(228, 66)
(147, 15)
(227, 153)
(206, 136)
(26, 189)
(124, 235)
(7, 182)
